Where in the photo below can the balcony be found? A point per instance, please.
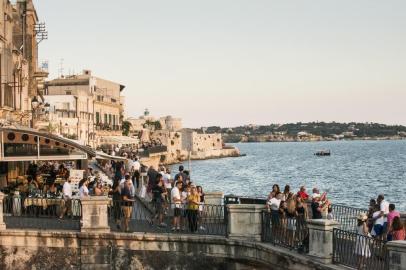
(108, 127)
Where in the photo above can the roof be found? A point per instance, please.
(68, 81)
(60, 139)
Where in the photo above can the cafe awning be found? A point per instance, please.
(25, 144)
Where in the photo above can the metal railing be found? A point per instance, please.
(358, 251)
(283, 231)
(41, 213)
(135, 217)
(347, 216)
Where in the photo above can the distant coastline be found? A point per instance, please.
(262, 140)
(308, 132)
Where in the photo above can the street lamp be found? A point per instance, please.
(46, 107)
(34, 103)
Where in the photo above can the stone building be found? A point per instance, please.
(19, 72)
(95, 104)
(168, 123)
(196, 142)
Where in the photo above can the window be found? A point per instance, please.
(97, 117)
(68, 92)
(8, 95)
(105, 118)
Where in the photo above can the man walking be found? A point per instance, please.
(67, 198)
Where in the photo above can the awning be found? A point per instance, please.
(102, 155)
(118, 140)
(25, 144)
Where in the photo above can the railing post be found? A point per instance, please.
(2, 224)
(214, 198)
(321, 239)
(245, 221)
(397, 255)
(94, 214)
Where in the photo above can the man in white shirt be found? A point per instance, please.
(384, 211)
(136, 166)
(67, 198)
(176, 205)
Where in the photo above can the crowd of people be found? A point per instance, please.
(177, 196)
(382, 221)
(288, 212)
(286, 203)
(130, 151)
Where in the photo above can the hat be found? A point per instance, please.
(362, 217)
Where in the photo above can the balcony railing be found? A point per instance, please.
(108, 127)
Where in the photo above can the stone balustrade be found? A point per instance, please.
(95, 214)
(244, 229)
(245, 221)
(321, 239)
(214, 198)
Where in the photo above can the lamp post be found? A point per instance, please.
(38, 108)
(34, 107)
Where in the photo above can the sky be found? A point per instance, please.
(237, 62)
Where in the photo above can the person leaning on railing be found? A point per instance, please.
(176, 203)
(397, 229)
(193, 208)
(362, 245)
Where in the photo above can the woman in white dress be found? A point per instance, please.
(361, 246)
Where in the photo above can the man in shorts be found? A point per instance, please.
(176, 203)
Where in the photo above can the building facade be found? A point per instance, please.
(18, 61)
(84, 107)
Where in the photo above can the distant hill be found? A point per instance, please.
(312, 131)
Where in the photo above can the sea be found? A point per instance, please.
(355, 172)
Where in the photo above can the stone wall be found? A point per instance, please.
(173, 142)
(73, 250)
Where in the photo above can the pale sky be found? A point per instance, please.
(235, 62)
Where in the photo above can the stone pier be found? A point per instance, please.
(321, 239)
(94, 214)
(245, 221)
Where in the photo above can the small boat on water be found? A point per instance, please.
(323, 153)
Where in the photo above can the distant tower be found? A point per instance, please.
(146, 112)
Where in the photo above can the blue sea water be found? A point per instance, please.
(355, 172)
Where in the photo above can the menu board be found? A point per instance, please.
(76, 176)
